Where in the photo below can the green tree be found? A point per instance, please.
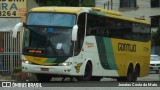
(58, 3)
(75, 3)
(52, 3)
(156, 38)
(88, 3)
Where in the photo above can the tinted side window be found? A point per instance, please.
(96, 25)
(116, 28)
(81, 33)
(141, 32)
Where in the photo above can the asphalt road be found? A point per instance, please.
(105, 82)
(152, 80)
(151, 77)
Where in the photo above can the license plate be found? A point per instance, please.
(44, 69)
(155, 68)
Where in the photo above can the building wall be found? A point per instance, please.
(143, 9)
(31, 4)
(106, 4)
(11, 49)
(100, 3)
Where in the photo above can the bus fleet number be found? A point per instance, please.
(8, 13)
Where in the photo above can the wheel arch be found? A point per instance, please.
(130, 64)
(86, 62)
(87, 71)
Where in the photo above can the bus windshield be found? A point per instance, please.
(50, 42)
(51, 19)
(49, 34)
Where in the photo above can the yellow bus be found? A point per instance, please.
(86, 43)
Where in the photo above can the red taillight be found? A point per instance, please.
(1, 49)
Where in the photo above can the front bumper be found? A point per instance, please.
(154, 68)
(57, 70)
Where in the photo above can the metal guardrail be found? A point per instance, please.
(9, 61)
(10, 57)
(159, 74)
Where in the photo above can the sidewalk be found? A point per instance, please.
(150, 77)
(14, 78)
(6, 78)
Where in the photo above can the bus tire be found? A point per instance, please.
(43, 77)
(130, 74)
(136, 73)
(87, 74)
(157, 71)
(96, 78)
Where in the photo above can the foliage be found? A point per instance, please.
(17, 69)
(84, 3)
(156, 38)
(88, 3)
(55, 3)
(59, 3)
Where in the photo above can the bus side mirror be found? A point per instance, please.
(74, 33)
(16, 28)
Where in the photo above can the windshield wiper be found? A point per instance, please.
(49, 44)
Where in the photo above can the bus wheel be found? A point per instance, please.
(136, 73)
(87, 74)
(157, 71)
(135, 77)
(130, 74)
(43, 77)
(96, 78)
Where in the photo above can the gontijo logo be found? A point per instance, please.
(127, 47)
(16, 84)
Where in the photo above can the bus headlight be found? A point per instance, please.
(25, 61)
(65, 64)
